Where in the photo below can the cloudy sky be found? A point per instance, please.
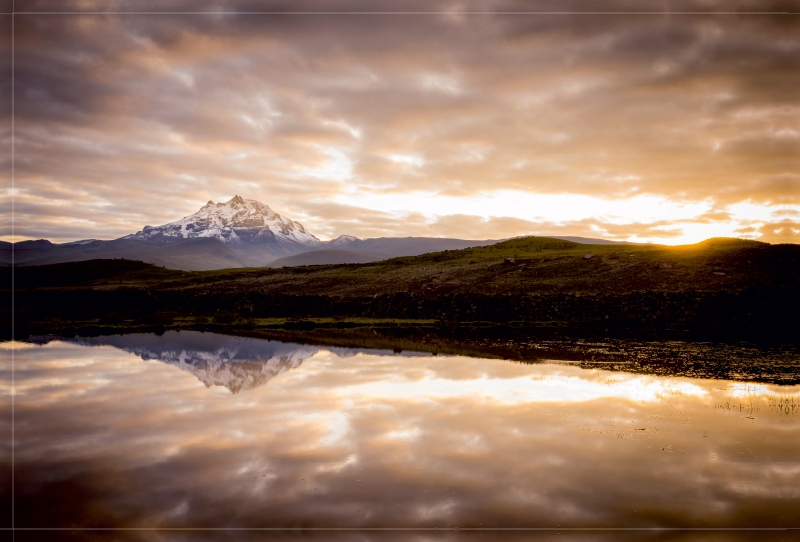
(456, 118)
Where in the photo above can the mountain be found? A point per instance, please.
(327, 257)
(394, 247)
(199, 254)
(238, 233)
(349, 249)
(246, 226)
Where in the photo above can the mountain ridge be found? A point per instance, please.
(328, 257)
(237, 233)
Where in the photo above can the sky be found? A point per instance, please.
(468, 119)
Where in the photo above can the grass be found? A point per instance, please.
(519, 277)
(288, 323)
(540, 265)
(92, 272)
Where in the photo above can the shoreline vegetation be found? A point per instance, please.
(517, 291)
(653, 355)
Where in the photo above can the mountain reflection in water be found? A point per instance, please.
(237, 363)
(373, 440)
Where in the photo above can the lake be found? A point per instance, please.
(192, 429)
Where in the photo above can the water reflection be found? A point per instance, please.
(5, 438)
(371, 440)
(236, 363)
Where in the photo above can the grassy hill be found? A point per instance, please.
(328, 257)
(88, 273)
(525, 265)
(726, 284)
(539, 265)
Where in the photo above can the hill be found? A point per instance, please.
(89, 273)
(402, 246)
(525, 265)
(720, 285)
(593, 241)
(328, 257)
(186, 254)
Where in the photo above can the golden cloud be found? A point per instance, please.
(126, 120)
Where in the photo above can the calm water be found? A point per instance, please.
(205, 430)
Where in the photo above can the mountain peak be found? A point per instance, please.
(343, 240)
(248, 226)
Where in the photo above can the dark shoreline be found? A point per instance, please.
(652, 353)
(756, 314)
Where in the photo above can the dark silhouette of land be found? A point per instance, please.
(202, 253)
(720, 287)
(328, 257)
(211, 253)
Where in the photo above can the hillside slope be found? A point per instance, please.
(528, 265)
(402, 246)
(594, 241)
(186, 254)
(541, 265)
(328, 257)
(720, 286)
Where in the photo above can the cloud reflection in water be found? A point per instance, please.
(372, 440)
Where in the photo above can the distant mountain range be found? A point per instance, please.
(186, 254)
(238, 233)
(327, 257)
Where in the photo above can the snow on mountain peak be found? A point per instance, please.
(343, 241)
(238, 221)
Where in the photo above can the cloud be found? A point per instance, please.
(477, 227)
(784, 231)
(780, 189)
(370, 442)
(713, 216)
(135, 119)
(787, 212)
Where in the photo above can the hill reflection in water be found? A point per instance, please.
(103, 439)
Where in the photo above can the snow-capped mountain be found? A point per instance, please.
(247, 226)
(342, 241)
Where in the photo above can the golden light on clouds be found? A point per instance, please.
(371, 440)
(664, 128)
